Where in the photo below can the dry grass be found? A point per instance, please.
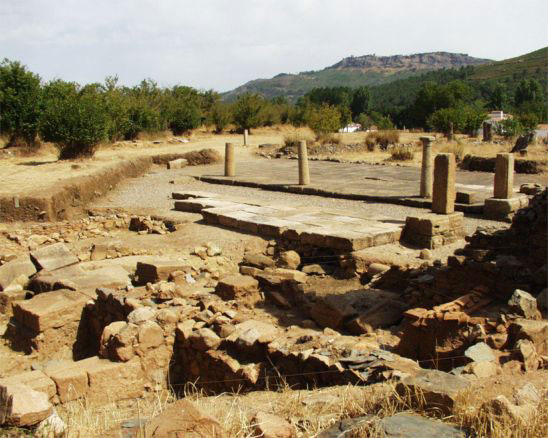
(309, 411)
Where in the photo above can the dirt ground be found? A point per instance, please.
(33, 173)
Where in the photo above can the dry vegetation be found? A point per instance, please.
(234, 411)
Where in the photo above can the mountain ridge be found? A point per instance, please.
(355, 71)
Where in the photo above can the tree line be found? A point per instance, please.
(76, 118)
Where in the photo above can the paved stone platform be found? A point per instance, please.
(378, 183)
(322, 228)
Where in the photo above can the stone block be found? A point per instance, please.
(438, 390)
(113, 381)
(535, 331)
(22, 406)
(36, 380)
(53, 257)
(443, 194)
(501, 209)
(237, 286)
(71, 381)
(191, 194)
(412, 425)
(154, 272)
(180, 163)
(466, 197)
(50, 310)
(14, 269)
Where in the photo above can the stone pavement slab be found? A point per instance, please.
(381, 183)
(310, 226)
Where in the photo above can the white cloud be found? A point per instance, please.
(222, 43)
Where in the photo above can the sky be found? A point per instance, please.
(221, 44)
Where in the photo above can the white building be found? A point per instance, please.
(352, 127)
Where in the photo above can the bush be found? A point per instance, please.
(142, 118)
(76, 124)
(220, 116)
(247, 111)
(324, 119)
(184, 119)
(292, 140)
(382, 138)
(20, 103)
(402, 153)
(328, 138)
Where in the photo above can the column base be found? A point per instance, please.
(503, 209)
(433, 230)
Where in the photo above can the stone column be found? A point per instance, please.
(229, 160)
(487, 131)
(304, 174)
(450, 132)
(443, 196)
(246, 133)
(504, 176)
(426, 170)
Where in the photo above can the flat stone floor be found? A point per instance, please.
(375, 182)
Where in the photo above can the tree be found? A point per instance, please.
(360, 102)
(76, 124)
(381, 121)
(185, 118)
(365, 121)
(20, 103)
(247, 111)
(220, 116)
(324, 119)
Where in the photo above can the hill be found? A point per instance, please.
(355, 71)
(530, 65)
(392, 98)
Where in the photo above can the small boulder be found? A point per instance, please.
(204, 339)
(22, 406)
(524, 304)
(141, 314)
(502, 407)
(271, 426)
(289, 260)
(480, 352)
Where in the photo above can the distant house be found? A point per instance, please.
(352, 127)
(497, 116)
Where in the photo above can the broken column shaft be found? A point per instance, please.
(230, 165)
(304, 174)
(426, 169)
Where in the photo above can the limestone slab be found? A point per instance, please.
(53, 257)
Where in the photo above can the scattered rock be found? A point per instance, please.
(53, 426)
(53, 257)
(184, 419)
(480, 352)
(414, 426)
(140, 315)
(502, 407)
(527, 353)
(314, 269)
(436, 389)
(425, 254)
(289, 260)
(524, 304)
(22, 406)
(271, 426)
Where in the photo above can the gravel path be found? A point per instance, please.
(153, 192)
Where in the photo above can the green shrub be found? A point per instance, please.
(142, 118)
(402, 153)
(324, 119)
(184, 119)
(76, 124)
(220, 116)
(247, 111)
(20, 103)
